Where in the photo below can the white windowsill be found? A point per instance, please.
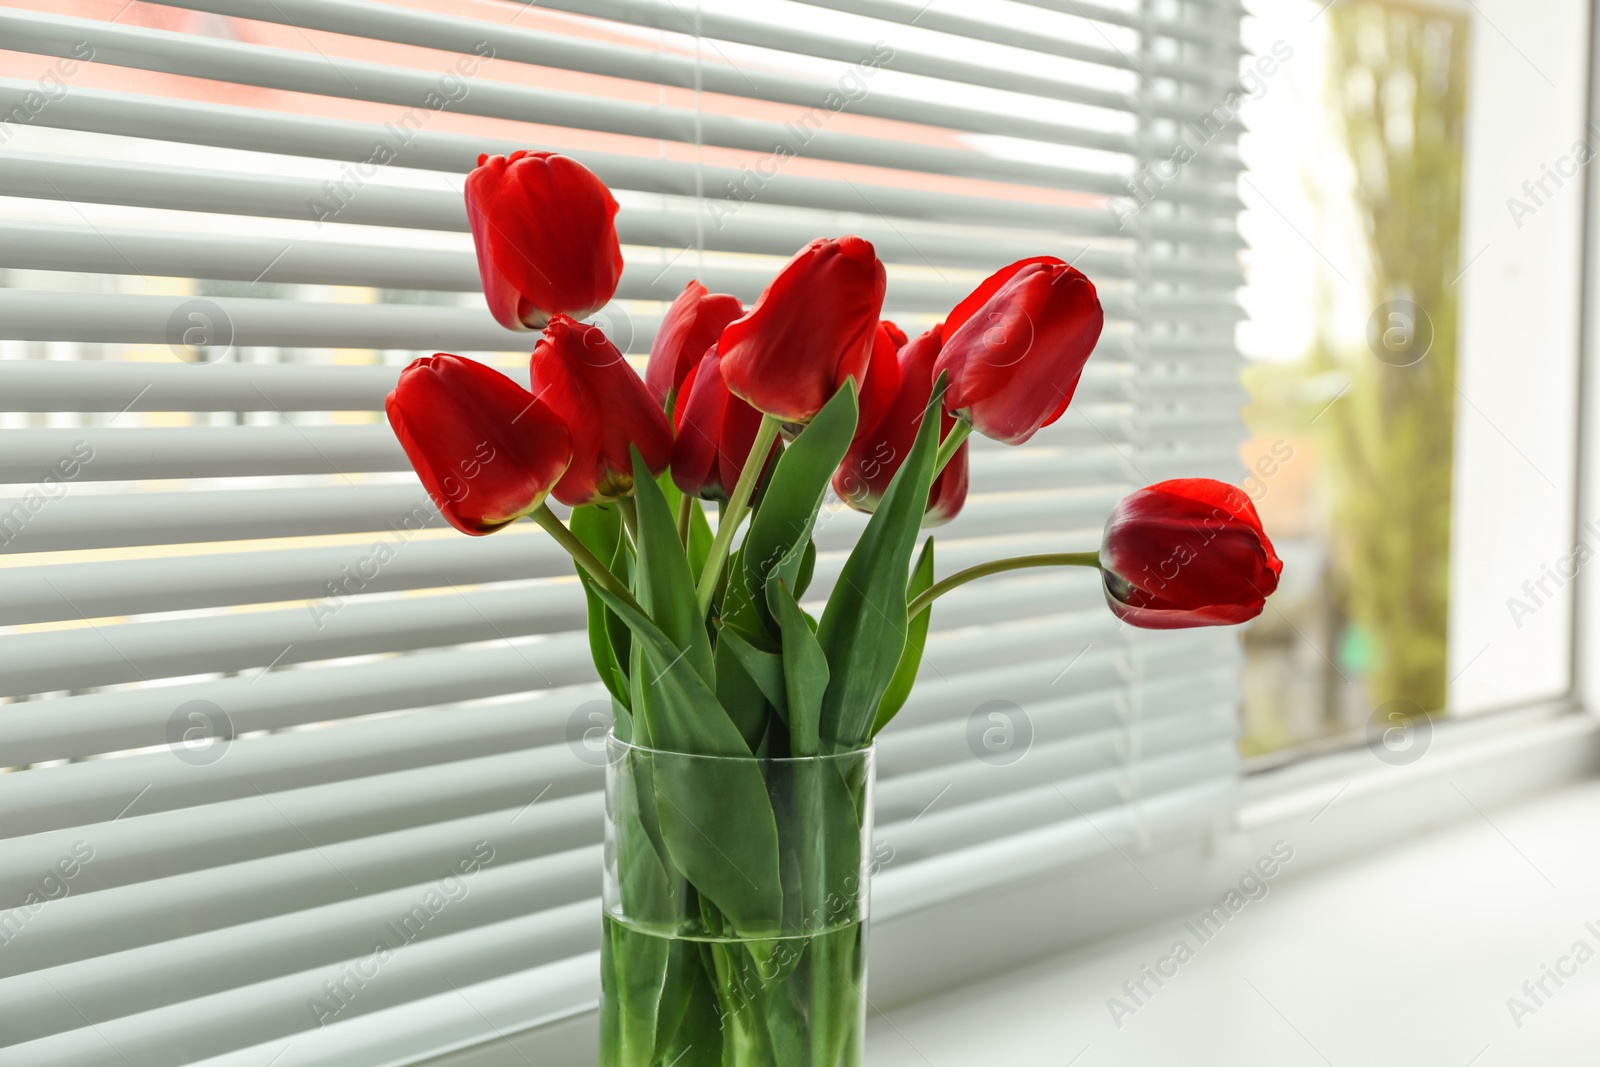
(1407, 957)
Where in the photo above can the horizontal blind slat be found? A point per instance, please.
(90, 655)
(249, 322)
(28, 385)
(108, 250)
(134, 847)
(556, 993)
(1030, 39)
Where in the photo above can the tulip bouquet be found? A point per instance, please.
(739, 784)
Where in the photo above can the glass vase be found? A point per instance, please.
(735, 909)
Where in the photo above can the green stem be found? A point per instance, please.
(686, 505)
(583, 557)
(1000, 566)
(630, 516)
(947, 448)
(732, 515)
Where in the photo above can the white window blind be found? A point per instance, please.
(224, 227)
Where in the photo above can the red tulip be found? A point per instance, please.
(873, 459)
(691, 326)
(1015, 348)
(546, 233)
(881, 383)
(486, 449)
(897, 336)
(812, 328)
(1188, 552)
(715, 432)
(578, 372)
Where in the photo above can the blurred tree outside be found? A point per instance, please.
(1380, 417)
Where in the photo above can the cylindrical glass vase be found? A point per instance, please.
(735, 909)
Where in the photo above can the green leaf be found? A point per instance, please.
(633, 968)
(599, 527)
(700, 538)
(783, 523)
(863, 628)
(745, 696)
(834, 965)
(765, 669)
(808, 566)
(601, 649)
(905, 675)
(805, 670)
(715, 814)
(691, 1001)
(644, 884)
(665, 587)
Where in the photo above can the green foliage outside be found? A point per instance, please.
(1399, 79)
(1397, 90)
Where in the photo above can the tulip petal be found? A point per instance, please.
(691, 326)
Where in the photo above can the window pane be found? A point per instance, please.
(1411, 358)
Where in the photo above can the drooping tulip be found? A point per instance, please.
(1015, 348)
(691, 326)
(715, 432)
(1187, 552)
(584, 379)
(873, 459)
(487, 450)
(812, 328)
(546, 234)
